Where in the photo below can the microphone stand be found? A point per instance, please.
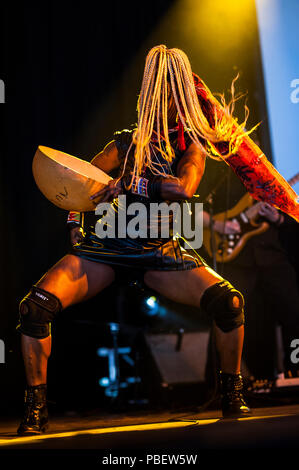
(209, 200)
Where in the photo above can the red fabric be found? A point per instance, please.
(181, 138)
(257, 174)
(73, 216)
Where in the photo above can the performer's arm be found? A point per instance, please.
(107, 160)
(189, 173)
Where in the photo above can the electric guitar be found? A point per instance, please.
(246, 212)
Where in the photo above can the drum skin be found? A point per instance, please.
(67, 181)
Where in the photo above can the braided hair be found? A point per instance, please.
(166, 68)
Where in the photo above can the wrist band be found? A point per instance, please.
(73, 220)
(73, 217)
(144, 187)
(140, 186)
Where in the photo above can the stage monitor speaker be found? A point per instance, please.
(180, 358)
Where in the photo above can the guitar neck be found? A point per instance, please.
(294, 180)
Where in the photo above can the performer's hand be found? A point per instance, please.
(76, 235)
(228, 227)
(108, 193)
(269, 212)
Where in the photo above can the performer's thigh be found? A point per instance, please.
(185, 287)
(73, 279)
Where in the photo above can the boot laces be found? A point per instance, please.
(234, 390)
(32, 407)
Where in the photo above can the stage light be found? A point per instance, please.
(104, 382)
(151, 306)
(151, 302)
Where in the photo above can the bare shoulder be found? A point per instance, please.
(195, 149)
(194, 155)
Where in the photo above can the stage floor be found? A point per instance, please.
(274, 428)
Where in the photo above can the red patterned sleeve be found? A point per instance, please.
(258, 175)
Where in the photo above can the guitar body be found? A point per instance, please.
(229, 246)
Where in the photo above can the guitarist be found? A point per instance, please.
(262, 271)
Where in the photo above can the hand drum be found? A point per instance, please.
(67, 181)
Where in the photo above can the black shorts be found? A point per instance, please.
(137, 254)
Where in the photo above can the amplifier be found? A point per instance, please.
(180, 358)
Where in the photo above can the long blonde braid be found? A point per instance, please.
(152, 108)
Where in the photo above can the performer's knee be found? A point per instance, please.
(36, 311)
(225, 304)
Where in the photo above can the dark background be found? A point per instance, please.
(72, 73)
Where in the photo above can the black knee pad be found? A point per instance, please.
(37, 310)
(225, 304)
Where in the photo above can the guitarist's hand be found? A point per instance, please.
(269, 213)
(228, 227)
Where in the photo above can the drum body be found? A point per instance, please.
(67, 181)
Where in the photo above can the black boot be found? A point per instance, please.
(233, 403)
(35, 420)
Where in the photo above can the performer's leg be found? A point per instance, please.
(188, 287)
(202, 287)
(229, 346)
(70, 281)
(245, 279)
